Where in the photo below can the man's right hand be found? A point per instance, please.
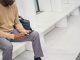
(19, 36)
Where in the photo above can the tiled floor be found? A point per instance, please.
(61, 43)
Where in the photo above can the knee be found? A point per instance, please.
(35, 34)
(8, 47)
(5, 44)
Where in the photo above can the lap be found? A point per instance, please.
(27, 38)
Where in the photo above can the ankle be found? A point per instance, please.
(37, 58)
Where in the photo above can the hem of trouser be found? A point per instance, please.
(39, 56)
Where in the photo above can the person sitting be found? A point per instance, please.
(8, 19)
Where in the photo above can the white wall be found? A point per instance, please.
(27, 8)
(58, 5)
(68, 1)
(45, 5)
(55, 5)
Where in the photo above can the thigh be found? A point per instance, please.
(27, 38)
(4, 42)
(31, 37)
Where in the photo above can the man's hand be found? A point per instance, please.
(21, 36)
(28, 31)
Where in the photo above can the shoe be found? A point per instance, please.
(38, 58)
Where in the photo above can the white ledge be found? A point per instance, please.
(47, 20)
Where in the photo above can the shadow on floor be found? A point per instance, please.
(78, 57)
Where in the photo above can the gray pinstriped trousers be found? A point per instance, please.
(7, 47)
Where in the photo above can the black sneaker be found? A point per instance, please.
(38, 58)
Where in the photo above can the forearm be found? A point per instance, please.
(6, 35)
(20, 28)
